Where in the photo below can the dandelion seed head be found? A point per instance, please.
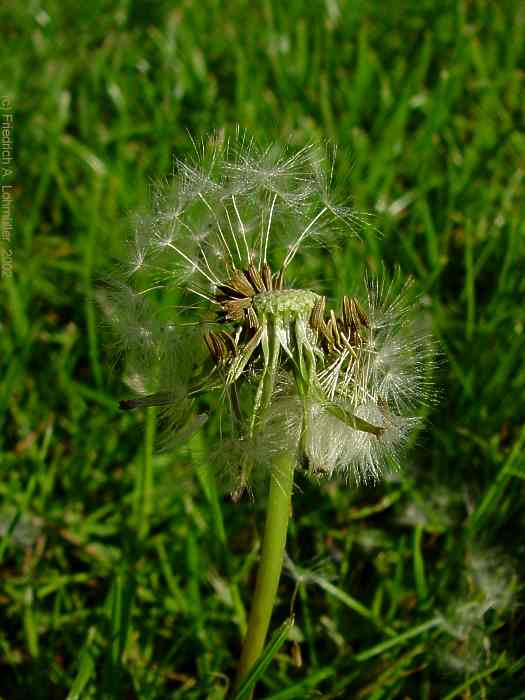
(340, 388)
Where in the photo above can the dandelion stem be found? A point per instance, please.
(277, 516)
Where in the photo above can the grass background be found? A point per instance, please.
(123, 574)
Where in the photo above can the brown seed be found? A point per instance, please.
(253, 321)
(335, 329)
(359, 314)
(254, 276)
(234, 308)
(222, 346)
(267, 277)
(241, 284)
(317, 321)
(347, 311)
(212, 342)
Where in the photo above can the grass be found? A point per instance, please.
(124, 572)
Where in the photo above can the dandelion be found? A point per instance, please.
(299, 385)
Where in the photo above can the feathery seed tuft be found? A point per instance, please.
(341, 389)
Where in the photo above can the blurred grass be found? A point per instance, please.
(123, 573)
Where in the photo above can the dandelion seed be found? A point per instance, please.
(487, 583)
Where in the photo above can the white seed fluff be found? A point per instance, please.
(203, 307)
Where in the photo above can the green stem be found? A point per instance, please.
(270, 565)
